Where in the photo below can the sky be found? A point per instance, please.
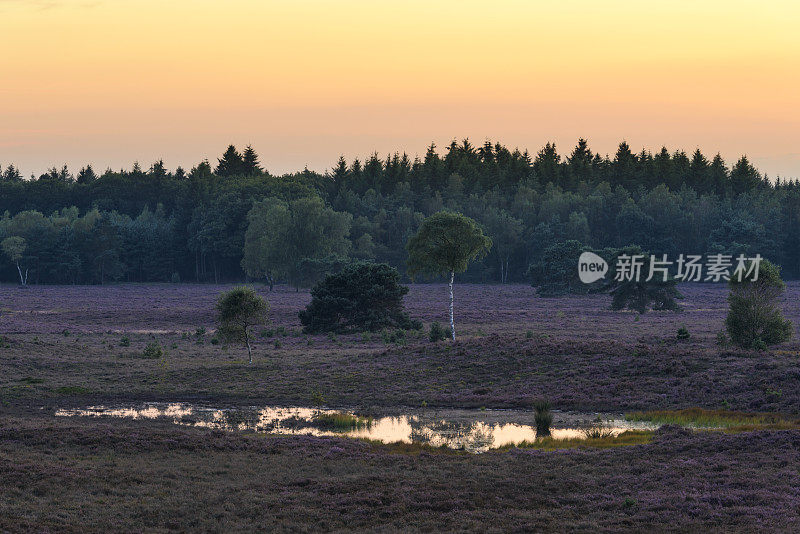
(110, 82)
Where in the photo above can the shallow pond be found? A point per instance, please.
(471, 430)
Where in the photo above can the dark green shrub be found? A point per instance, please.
(364, 296)
(683, 333)
(215, 340)
(125, 341)
(437, 332)
(641, 295)
(557, 272)
(754, 318)
(152, 351)
(397, 336)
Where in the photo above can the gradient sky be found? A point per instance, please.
(110, 82)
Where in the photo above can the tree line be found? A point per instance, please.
(235, 220)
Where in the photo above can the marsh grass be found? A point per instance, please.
(700, 417)
(340, 421)
(627, 438)
(598, 430)
(543, 417)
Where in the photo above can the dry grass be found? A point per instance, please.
(700, 417)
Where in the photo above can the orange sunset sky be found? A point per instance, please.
(110, 82)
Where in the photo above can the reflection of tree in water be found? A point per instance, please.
(475, 435)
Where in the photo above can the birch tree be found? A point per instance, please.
(445, 245)
(14, 248)
(239, 310)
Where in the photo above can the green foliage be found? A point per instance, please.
(300, 239)
(239, 310)
(754, 316)
(556, 273)
(683, 333)
(446, 243)
(152, 351)
(363, 297)
(437, 333)
(394, 337)
(13, 247)
(146, 224)
(318, 399)
(641, 295)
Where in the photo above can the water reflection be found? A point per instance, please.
(474, 431)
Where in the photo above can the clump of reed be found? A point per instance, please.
(340, 421)
(543, 417)
(597, 430)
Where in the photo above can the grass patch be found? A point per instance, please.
(31, 380)
(627, 438)
(713, 418)
(72, 390)
(340, 421)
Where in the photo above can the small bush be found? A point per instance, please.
(437, 332)
(125, 341)
(152, 351)
(754, 317)
(683, 333)
(200, 331)
(278, 344)
(529, 334)
(318, 399)
(215, 340)
(394, 336)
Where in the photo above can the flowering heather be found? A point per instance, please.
(70, 344)
(77, 346)
(136, 476)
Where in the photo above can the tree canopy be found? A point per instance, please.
(150, 223)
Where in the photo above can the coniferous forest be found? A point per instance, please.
(233, 220)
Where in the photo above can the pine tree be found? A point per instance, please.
(86, 175)
(230, 164)
(250, 164)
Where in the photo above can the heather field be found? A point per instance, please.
(69, 347)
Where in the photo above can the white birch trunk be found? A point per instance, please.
(23, 280)
(452, 319)
(249, 351)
